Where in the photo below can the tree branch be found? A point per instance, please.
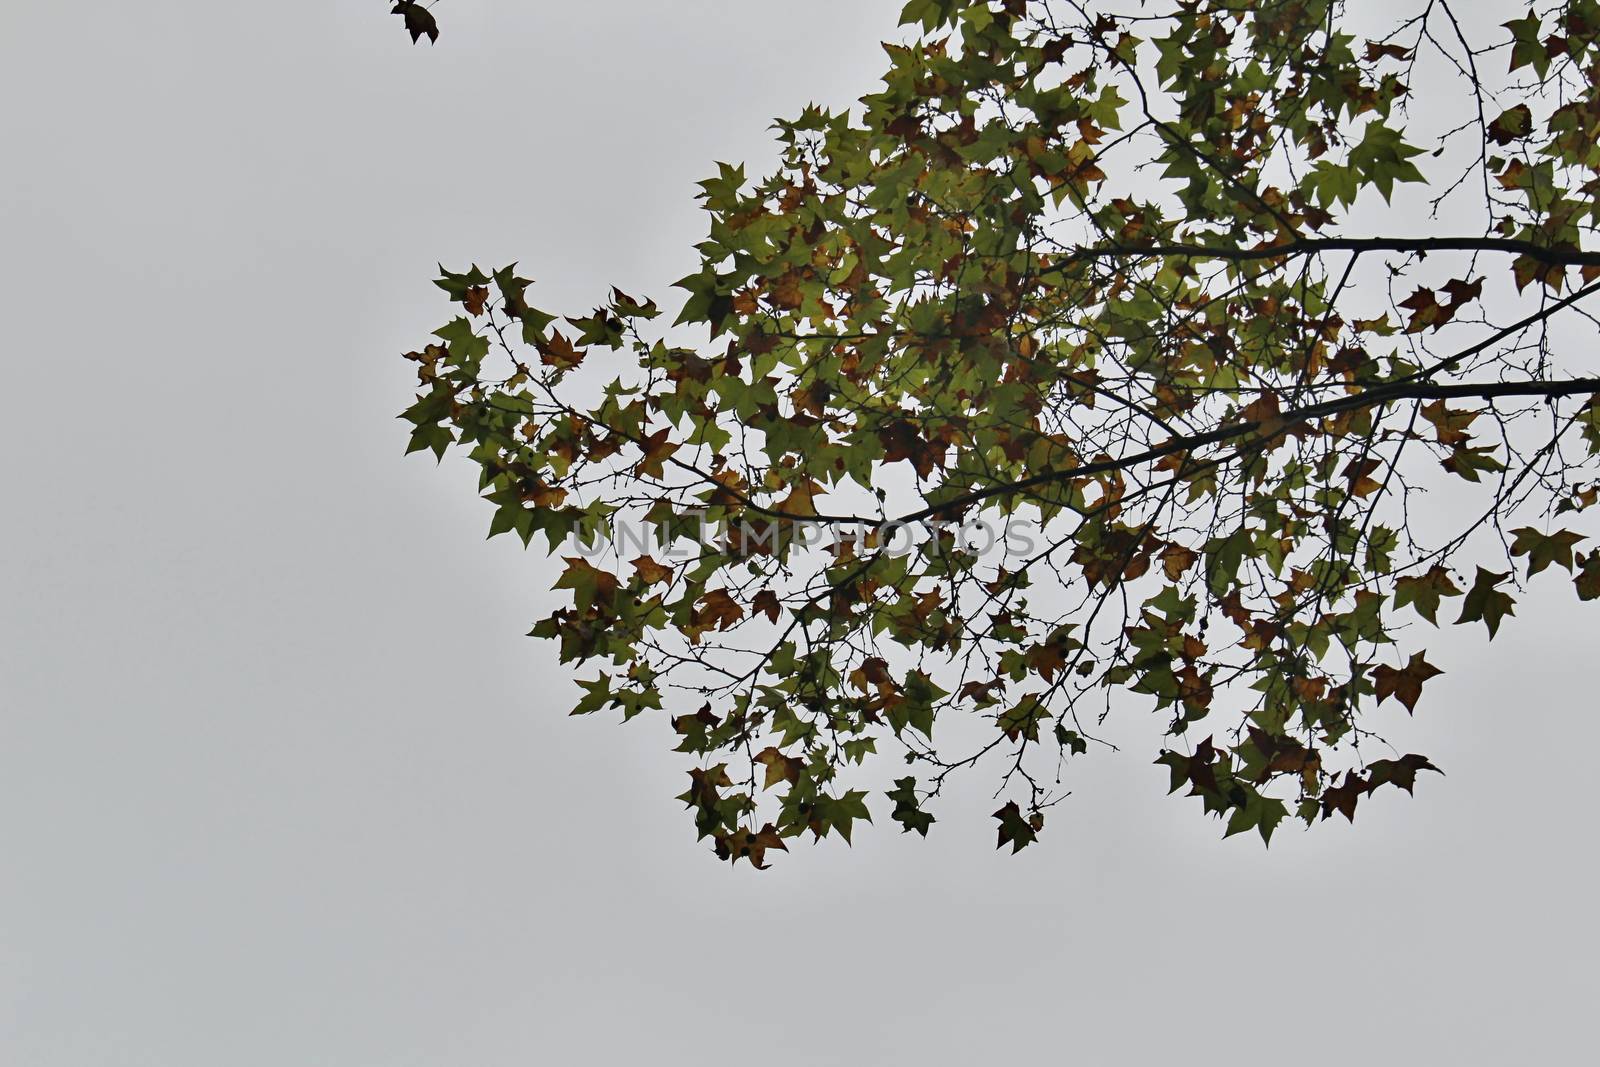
(1310, 246)
(1366, 398)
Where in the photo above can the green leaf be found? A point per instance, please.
(1015, 830)
(908, 808)
(1544, 549)
(1486, 603)
(1424, 593)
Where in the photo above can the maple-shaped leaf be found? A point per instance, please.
(1526, 270)
(597, 694)
(587, 582)
(1525, 48)
(1424, 592)
(1544, 549)
(1428, 311)
(780, 767)
(1016, 831)
(1401, 772)
(743, 844)
(1425, 310)
(657, 450)
(1486, 603)
(1450, 427)
(1046, 660)
(1406, 682)
(907, 808)
(560, 352)
(874, 671)
(717, 611)
(419, 21)
(904, 441)
(1376, 50)
(1359, 473)
(1023, 719)
(767, 603)
(1343, 798)
(1471, 463)
(650, 572)
(545, 496)
(1463, 292)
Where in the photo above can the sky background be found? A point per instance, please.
(281, 781)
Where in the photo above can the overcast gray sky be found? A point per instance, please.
(281, 781)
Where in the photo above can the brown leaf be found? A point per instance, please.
(1359, 473)
(1401, 772)
(780, 767)
(717, 611)
(1176, 559)
(1343, 798)
(1376, 50)
(801, 499)
(558, 351)
(743, 844)
(1527, 270)
(651, 572)
(1450, 427)
(766, 602)
(902, 440)
(1404, 683)
(657, 450)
